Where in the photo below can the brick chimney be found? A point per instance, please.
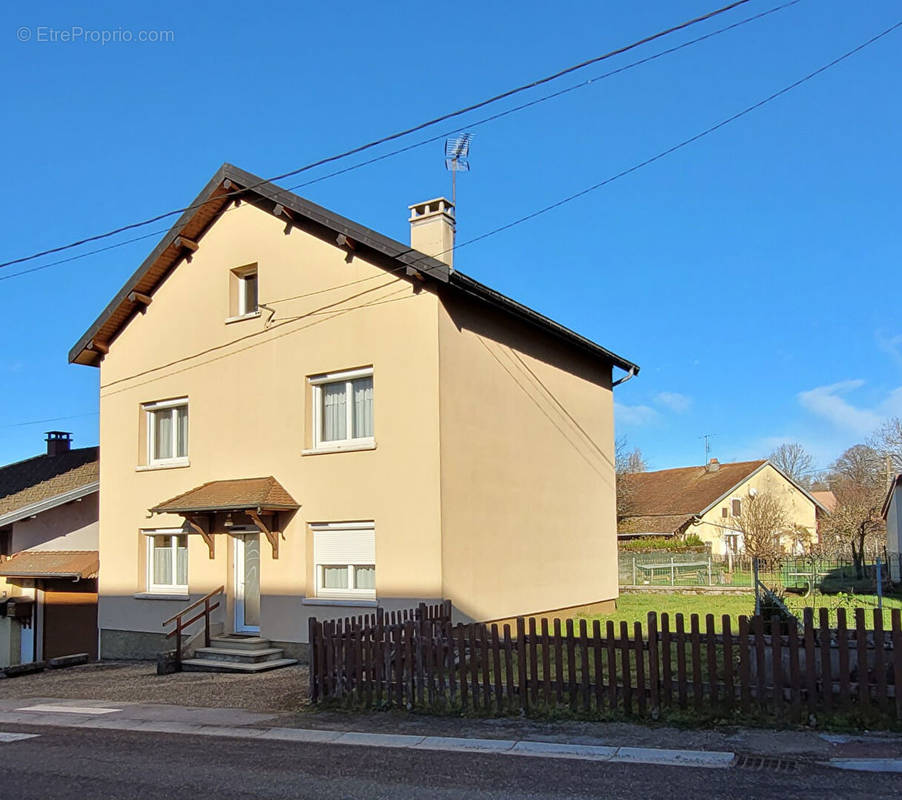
(58, 442)
(432, 229)
(713, 465)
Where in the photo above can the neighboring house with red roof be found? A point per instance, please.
(49, 553)
(703, 501)
(892, 515)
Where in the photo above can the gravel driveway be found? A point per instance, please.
(137, 682)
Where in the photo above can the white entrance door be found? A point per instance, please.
(247, 583)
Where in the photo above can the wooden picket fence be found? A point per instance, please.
(419, 659)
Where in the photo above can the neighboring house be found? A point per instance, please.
(703, 500)
(324, 420)
(892, 514)
(48, 553)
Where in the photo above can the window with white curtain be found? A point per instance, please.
(344, 556)
(167, 432)
(343, 409)
(167, 561)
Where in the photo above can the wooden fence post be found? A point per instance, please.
(653, 673)
(897, 659)
(312, 649)
(861, 659)
(521, 665)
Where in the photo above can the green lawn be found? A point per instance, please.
(635, 607)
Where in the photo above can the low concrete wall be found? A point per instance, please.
(710, 590)
(132, 645)
(298, 650)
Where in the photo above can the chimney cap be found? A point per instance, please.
(58, 442)
(428, 208)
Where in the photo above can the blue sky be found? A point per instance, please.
(752, 275)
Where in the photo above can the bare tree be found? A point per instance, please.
(793, 460)
(857, 480)
(887, 441)
(627, 463)
(761, 521)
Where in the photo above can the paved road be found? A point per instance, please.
(75, 763)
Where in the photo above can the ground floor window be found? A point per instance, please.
(344, 556)
(167, 561)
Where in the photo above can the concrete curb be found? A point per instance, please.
(82, 717)
(866, 764)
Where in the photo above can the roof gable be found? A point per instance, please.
(231, 184)
(687, 490)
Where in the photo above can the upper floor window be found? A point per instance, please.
(343, 408)
(737, 506)
(243, 294)
(167, 431)
(247, 293)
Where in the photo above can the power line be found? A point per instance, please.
(49, 419)
(399, 134)
(483, 121)
(685, 142)
(596, 186)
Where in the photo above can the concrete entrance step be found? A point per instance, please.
(239, 642)
(215, 665)
(243, 655)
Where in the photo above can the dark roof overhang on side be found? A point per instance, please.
(231, 184)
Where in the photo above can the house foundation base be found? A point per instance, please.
(587, 609)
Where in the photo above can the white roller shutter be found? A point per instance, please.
(334, 546)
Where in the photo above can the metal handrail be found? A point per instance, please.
(195, 604)
(180, 625)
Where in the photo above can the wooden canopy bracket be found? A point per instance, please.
(413, 272)
(232, 187)
(272, 536)
(207, 537)
(98, 347)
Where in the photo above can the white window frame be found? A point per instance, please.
(243, 310)
(351, 593)
(346, 377)
(159, 588)
(149, 410)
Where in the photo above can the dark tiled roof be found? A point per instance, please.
(52, 564)
(221, 190)
(43, 477)
(231, 495)
(685, 491)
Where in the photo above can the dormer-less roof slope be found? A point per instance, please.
(28, 486)
(664, 500)
(230, 183)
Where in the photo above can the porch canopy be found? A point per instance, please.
(209, 508)
(52, 564)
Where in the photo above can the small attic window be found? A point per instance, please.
(243, 292)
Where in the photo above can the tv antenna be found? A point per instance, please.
(457, 153)
(707, 437)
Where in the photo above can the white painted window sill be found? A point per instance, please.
(345, 447)
(343, 602)
(166, 465)
(242, 317)
(161, 596)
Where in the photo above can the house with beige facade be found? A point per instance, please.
(48, 554)
(707, 500)
(322, 420)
